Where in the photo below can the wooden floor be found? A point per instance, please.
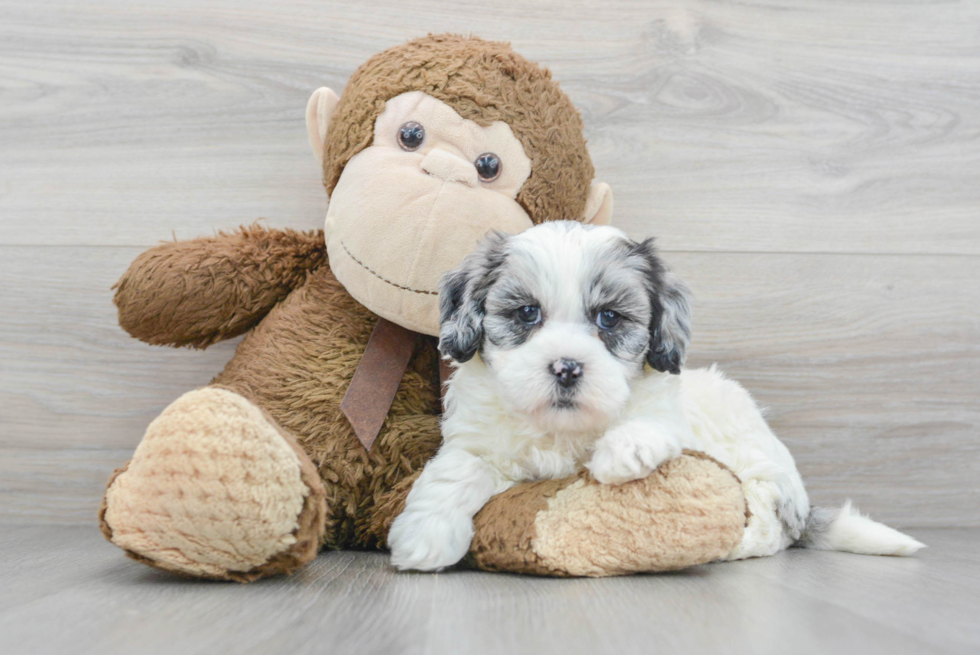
(64, 590)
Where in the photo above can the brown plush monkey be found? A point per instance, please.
(433, 143)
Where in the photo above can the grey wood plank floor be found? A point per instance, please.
(64, 590)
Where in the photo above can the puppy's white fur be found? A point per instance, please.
(502, 426)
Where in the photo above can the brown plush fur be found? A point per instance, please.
(297, 364)
(504, 529)
(484, 81)
(308, 531)
(692, 507)
(310, 524)
(196, 295)
(307, 334)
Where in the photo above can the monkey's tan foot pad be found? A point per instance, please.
(216, 490)
(689, 511)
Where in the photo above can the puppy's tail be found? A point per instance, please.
(848, 530)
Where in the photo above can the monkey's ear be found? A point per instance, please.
(599, 206)
(318, 112)
(462, 298)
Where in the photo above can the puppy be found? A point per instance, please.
(568, 341)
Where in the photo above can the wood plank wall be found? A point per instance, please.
(811, 168)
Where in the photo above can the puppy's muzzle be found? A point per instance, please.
(567, 372)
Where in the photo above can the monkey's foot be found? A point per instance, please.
(216, 490)
(689, 511)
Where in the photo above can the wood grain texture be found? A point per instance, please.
(810, 168)
(868, 365)
(63, 589)
(783, 126)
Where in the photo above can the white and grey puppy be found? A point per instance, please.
(569, 341)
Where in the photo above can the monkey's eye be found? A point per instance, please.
(529, 314)
(488, 166)
(607, 319)
(411, 135)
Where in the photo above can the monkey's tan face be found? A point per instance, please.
(411, 205)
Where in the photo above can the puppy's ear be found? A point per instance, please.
(670, 338)
(463, 295)
(670, 325)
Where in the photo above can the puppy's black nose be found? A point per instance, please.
(567, 371)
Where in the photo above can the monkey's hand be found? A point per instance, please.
(196, 293)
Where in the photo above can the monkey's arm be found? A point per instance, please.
(196, 293)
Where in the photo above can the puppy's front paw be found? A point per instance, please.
(631, 452)
(428, 542)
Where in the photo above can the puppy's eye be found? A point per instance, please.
(411, 135)
(529, 314)
(488, 166)
(607, 319)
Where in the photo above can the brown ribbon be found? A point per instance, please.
(376, 380)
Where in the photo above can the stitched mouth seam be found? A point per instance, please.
(383, 279)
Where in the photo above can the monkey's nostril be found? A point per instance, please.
(449, 167)
(567, 371)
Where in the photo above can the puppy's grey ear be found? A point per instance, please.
(670, 337)
(463, 295)
(670, 326)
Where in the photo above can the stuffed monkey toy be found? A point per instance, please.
(312, 435)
